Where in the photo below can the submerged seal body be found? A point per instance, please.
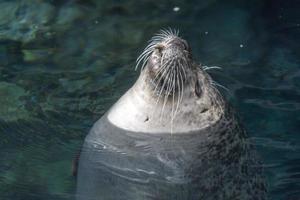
(171, 136)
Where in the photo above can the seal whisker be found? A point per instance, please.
(218, 102)
(157, 38)
(163, 74)
(166, 32)
(162, 59)
(205, 68)
(148, 50)
(165, 98)
(168, 89)
(170, 31)
(177, 32)
(161, 71)
(143, 58)
(145, 52)
(149, 47)
(163, 35)
(157, 79)
(163, 85)
(173, 100)
(145, 62)
(176, 83)
(182, 82)
(219, 85)
(164, 95)
(179, 89)
(182, 68)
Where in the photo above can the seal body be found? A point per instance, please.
(171, 136)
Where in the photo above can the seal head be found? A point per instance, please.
(171, 87)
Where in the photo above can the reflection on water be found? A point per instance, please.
(64, 63)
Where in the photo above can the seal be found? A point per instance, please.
(171, 136)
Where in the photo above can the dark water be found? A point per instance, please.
(64, 63)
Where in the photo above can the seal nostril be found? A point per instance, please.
(159, 47)
(204, 110)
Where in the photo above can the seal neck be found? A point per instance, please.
(146, 113)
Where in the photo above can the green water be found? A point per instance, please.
(64, 63)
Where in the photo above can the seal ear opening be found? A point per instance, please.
(146, 119)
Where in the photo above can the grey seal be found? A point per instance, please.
(171, 136)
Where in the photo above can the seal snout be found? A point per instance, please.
(172, 44)
(168, 63)
(172, 50)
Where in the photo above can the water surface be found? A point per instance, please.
(64, 63)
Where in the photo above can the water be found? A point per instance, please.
(64, 63)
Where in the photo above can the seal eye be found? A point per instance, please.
(198, 90)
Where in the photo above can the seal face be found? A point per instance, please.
(170, 136)
(171, 87)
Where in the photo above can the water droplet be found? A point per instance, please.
(176, 9)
